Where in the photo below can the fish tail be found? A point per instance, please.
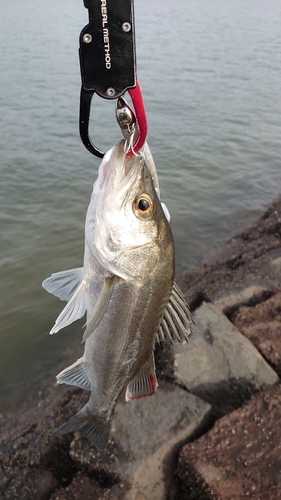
(95, 428)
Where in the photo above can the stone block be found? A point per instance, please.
(240, 457)
(261, 324)
(146, 437)
(219, 364)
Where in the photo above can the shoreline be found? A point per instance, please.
(239, 288)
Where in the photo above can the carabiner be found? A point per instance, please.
(108, 63)
(140, 114)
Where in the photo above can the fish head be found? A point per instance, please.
(129, 230)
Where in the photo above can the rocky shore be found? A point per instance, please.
(211, 432)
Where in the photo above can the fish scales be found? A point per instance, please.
(133, 314)
(126, 287)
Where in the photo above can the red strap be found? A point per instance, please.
(137, 99)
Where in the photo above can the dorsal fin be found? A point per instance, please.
(176, 324)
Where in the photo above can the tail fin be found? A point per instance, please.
(96, 429)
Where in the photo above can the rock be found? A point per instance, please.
(246, 296)
(32, 463)
(261, 324)
(219, 364)
(240, 457)
(275, 265)
(81, 488)
(45, 483)
(84, 488)
(146, 436)
(26, 484)
(251, 258)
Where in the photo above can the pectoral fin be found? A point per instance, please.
(65, 283)
(144, 383)
(75, 309)
(101, 306)
(176, 324)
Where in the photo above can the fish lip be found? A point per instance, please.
(119, 174)
(124, 177)
(134, 171)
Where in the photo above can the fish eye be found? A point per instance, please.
(143, 206)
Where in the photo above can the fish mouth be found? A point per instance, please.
(119, 174)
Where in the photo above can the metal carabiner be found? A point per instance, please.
(108, 62)
(140, 114)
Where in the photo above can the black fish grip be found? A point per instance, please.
(107, 57)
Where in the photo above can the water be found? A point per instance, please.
(210, 73)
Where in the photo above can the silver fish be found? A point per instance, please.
(127, 288)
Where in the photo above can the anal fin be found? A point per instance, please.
(75, 374)
(144, 383)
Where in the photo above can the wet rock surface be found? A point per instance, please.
(261, 324)
(240, 457)
(221, 442)
(220, 361)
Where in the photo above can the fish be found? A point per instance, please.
(127, 289)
